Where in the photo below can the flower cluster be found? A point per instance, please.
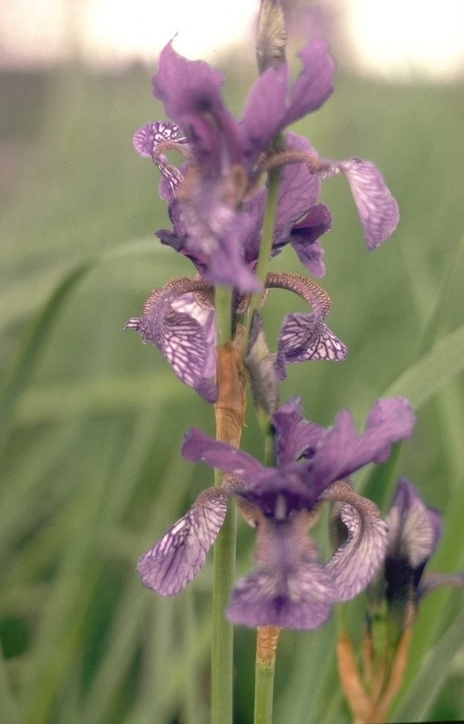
(217, 204)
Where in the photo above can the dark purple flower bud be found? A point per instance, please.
(178, 556)
(413, 535)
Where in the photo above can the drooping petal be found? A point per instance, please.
(299, 598)
(148, 137)
(376, 206)
(305, 337)
(198, 446)
(288, 587)
(342, 451)
(178, 556)
(149, 141)
(355, 562)
(414, 529)
(186, 342)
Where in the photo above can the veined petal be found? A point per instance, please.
(305, 337)
(186, 342)
(148, 142)
(148, 137)
(198, 446)
(288, 588)
(298, 598)
(355, 562)
(178, 556)
(376, 206)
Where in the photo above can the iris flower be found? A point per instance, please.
(215, 198)
(289, 586)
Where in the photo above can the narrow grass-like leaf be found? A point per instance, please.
(420, 381)
(428, 682)
(22, 370)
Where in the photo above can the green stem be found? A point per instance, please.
(267, 235)
(224, 563)
(266, 645)
(264, 692)
(222, 642)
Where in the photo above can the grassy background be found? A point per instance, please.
(91, 420)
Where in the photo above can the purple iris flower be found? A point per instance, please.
(289, 586)
(215, 202)
(413, 534)
(179, 319)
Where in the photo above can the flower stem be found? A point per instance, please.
(266, 645)
(267, 235)
(222, 638)
(223, 309)
(229, 411)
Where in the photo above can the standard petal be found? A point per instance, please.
(190, 91)
(392, 416)
(314, 84)
(376, 206)
(342, 451)
(263, 112)
(355, 562)
(295, 436)
(200, 447)
(178, 556)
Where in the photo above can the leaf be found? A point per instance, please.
(420, 381)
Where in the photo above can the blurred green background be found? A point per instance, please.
(91, 420)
